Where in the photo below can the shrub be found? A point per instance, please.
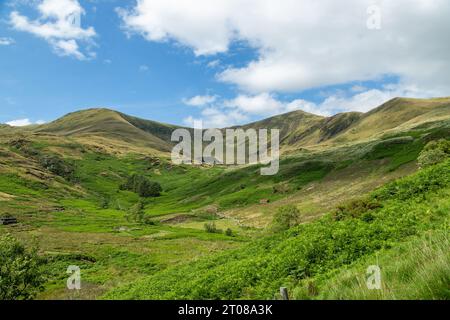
(285, 218)
(210, 227)
(356, 209)
(104, 204)
(142, 186)
(21, 277)
(58, 166)
(434, 153)
(281, 188)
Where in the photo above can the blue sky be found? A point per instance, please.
(143, 61)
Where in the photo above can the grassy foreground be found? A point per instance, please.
(404, 209)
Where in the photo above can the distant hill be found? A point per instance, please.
(298, 129)
(112, 125)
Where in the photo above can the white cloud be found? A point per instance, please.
(68, 48)
(262, 104)
(213, 63)
(23, 122)
(200, 101)
(304, 44)
(4, 41)
(161, 20)
(217, 118)
(369, 99)
(19, 123)
(244, 107)
(143, 68)
(266, 105)
(59, 24)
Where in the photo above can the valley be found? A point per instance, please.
(209, 234)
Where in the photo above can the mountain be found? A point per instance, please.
(396, 115)
(289, 123)
(298, 129)
(111, 126)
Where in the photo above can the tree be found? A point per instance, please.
(285, 218)
(433, 153)
(21, 276)
(142, 186)
(149, 188)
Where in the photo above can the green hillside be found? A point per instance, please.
(213, 226)
(401, 210)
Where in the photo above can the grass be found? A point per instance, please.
(417, 269)
(399, 150)
(72, 224)
(409, 207)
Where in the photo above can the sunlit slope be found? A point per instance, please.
(112, 125)
(299, 129)
(396, 115)
(289, 124)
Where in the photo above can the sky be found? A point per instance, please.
(225, 62)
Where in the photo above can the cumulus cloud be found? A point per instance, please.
(6, 41)
(23, 122)
(304, 44)
(245, 107)
(200, 101)
(214, 117)
(262, 104)
(59, 24)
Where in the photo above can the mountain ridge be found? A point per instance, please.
(298, 128)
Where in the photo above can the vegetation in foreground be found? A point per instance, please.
(138, 228)
(405, 209)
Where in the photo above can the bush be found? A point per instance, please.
(210, 227)
(104, 204)
(21, 277)
(58, 166)
(434, 153)
(142, 186)
(281, 188)
(285, 218)
(356, 209)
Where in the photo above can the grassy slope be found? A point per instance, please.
(410, 207)
(399, 112)
(113, 251)
(113, 126)
(416, 269)
(298, 129)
